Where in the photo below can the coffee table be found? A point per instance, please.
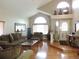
(29, 44)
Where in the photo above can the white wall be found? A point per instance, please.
(9, 24)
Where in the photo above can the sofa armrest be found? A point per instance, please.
(10, 53)
(26, 54)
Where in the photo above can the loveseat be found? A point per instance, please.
(37, 36)
(12, 39)
(9, 52)
(14, 52)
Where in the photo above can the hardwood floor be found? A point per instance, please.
(44, 51)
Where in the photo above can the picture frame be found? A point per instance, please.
(18, 27)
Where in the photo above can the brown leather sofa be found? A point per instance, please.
(11, 39)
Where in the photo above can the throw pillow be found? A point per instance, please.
(18, 35)
(1, 48)
(4, 38)
(11, 38)
(14, 36)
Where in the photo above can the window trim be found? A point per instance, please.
(40, 23)
(3, 25)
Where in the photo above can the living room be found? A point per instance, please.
(55, 21)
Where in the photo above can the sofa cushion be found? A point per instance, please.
(19, 36)
(5, 38)
(3, 42)
(1, 48)
(37, 35)
(16, 36)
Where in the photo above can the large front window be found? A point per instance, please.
(40, 25)
(1, 27)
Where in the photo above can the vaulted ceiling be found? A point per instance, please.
(52, 6)
(20, 8)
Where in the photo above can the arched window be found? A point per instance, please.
(62, 5)
(40, 25)
(40, 20)
(64, 26)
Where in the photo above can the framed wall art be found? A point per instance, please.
(18, 27)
